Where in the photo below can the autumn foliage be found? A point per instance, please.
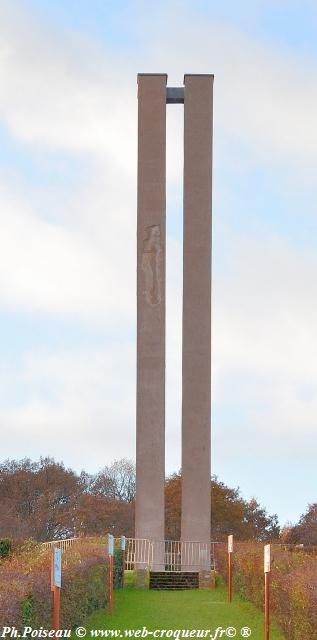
(25, 595)
(305, 531)
(230, 514)
(45, 501)
(293, 601)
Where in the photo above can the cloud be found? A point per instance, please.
(79, 407)
(71, 253)
(264, 93)
(62, 93)
(264, 339)
(52, 268)
(265, 301)
(67, 93)
(79, 403)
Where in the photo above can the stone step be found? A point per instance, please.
(174, 580)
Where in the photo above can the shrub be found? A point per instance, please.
(118, 568)
(293, 601)
(27, 608)
(25, 594)
(5, 547)
(294, 592)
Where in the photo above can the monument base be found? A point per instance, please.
(142, 578)
(207, 580)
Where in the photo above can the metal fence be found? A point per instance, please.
(169, 555)
(138, 552)
(165, 555)
(61, 544)
(67, 543)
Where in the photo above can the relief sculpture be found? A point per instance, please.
(152, 265)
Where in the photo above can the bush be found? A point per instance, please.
(118, 568)
(27, 608)
(5, 547)
(25, 594)
(294, 593)
(293, 599)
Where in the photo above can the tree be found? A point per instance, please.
(116, 482)
(229, 513)
(41, 498)
(46, 501)
(305, 531)
(173, 489)
(261, 526)
(97, 515)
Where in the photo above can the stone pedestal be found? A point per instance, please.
(207, 580)
(142, 579)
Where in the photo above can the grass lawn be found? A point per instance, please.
(192, 609)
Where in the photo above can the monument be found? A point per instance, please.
(197, 97)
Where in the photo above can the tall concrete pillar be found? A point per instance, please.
(150, 443)
(196, 402)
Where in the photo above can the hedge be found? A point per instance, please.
(25, 594)
(293, 600)
(5, 547)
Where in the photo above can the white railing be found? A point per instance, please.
(139, 552)
(169, 555)
(186, 556)
(67, 543)
(61, 544)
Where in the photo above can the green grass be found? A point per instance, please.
(192, 609)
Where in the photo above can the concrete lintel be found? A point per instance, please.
(174, 95)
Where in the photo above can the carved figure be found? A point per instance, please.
(152, 265)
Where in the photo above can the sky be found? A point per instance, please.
(68, 154)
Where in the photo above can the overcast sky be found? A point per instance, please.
(68, 131)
